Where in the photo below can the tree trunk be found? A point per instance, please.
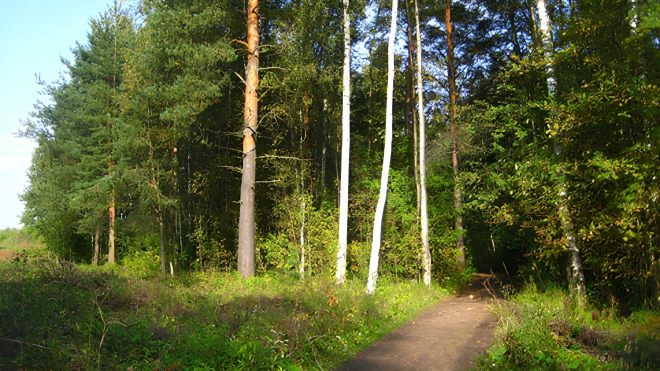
(454, 139)
(380, 208)
(426, 250)
(302, 238)
(514, 30)
(97, 248)
(161, 234)
(111, 228)
(340, 275)
(576, 278)
(533, 24)
(246, 224)
(324, 145)
(410, 104)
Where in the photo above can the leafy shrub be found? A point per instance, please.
(141, 264)
(550, 330)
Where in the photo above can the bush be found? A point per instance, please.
(141, 264)
(550, 330)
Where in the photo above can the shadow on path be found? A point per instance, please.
(445, 337)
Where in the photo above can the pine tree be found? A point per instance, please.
(246, 225)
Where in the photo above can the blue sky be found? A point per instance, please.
(33, 36)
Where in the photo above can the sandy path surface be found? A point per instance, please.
(445, 337)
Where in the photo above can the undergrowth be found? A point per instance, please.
(67, 317)
(549, 330)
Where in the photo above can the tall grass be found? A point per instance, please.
(81, 318)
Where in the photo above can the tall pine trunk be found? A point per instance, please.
(387, 156)
(426, 250)
(460, 246)
(410, 104)
(97, 247)
(111, 228)
(340, 275)
(576, 277)
(246, 223)
(111, 206)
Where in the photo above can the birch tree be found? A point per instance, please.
(345, 151)
(426, 250)
(246, 224)
(387, 156)
(576, 277)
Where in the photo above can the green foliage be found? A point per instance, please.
(78, 317)
(19, 239)
(141, 264)
(549, 330)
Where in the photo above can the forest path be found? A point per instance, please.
(445, 337)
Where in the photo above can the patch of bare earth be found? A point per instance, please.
(6, 255)
(445, 337)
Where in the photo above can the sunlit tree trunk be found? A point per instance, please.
(304, 150)
(575, 265)
(340, 275)
(246, 224)
(111, 206)
(97, 247)
(387, 155)
(454, 139)
(426, 250)
(302, 239)
(533, 24)
(410, 104)
(111, 228)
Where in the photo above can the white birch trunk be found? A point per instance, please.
(380, 208)
(575, 265)
(426, 250)
(345, 150)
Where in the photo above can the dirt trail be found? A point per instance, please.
(445, 337)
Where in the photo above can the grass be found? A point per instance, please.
(549, 330)
(17, 240)
(82, 318)
(14, 242)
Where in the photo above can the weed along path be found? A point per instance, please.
(445, 337)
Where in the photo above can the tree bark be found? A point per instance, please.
(161, 234)
(302, 238)
(340, 275)
(387, 155)
(410, 104)
(111, 228)
(426, 249)
(246, 225)
(97, 248)
(576, 279)
(454, 139)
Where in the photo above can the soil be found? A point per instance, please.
(6, 255)
(445, 337)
